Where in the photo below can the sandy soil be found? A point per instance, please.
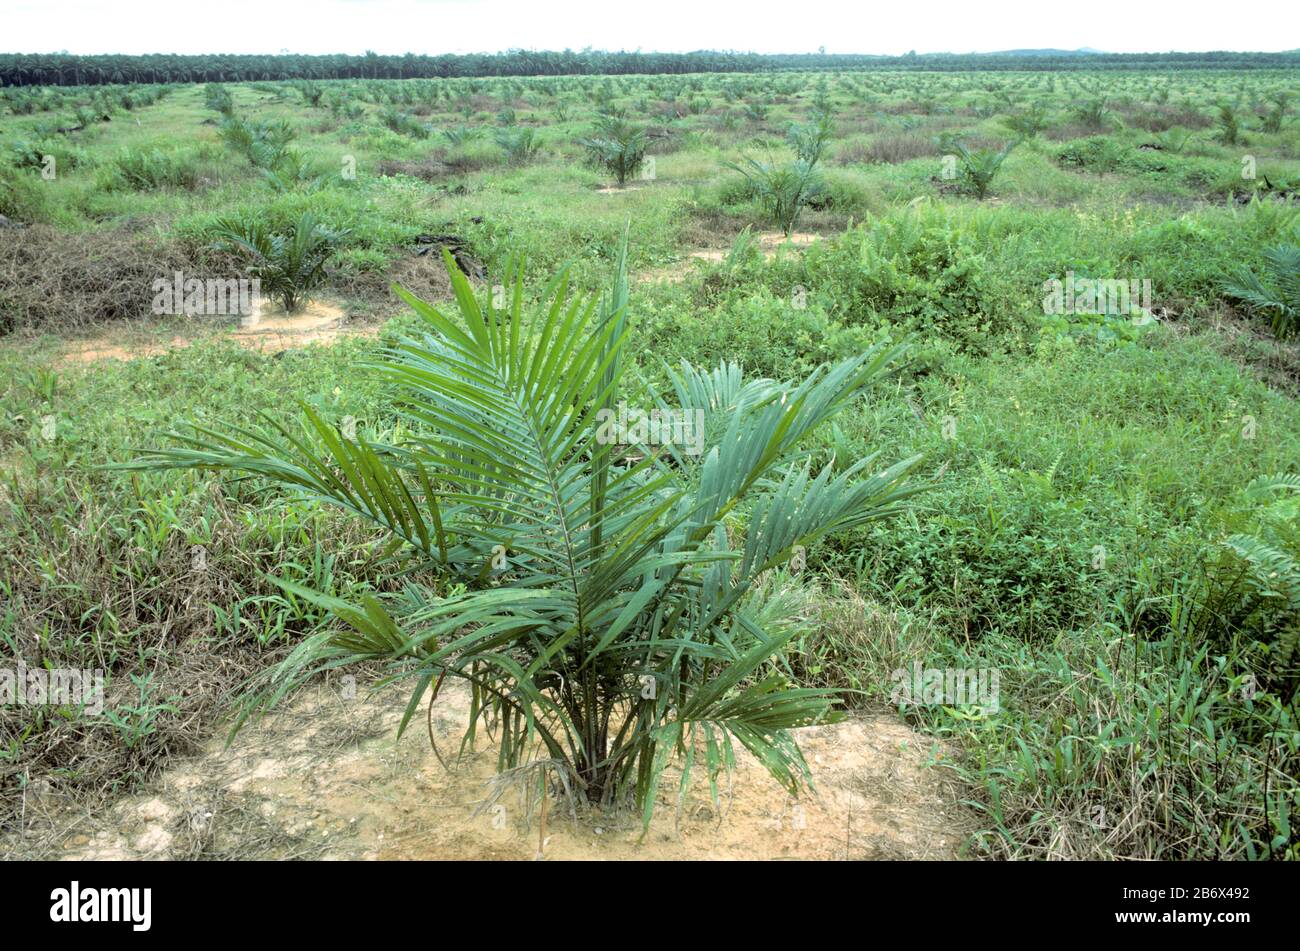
(324, 778)
(270, 330)
(771, 243)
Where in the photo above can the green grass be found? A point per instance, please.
(1085, 472)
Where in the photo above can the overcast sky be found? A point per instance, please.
(768, 26)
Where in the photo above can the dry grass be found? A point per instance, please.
(53, 280)
(370, 292)
(427, 169)
(889, 148)
(1162, 118)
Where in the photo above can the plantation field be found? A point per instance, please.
(1094, 282)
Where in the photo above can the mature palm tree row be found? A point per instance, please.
(63, 69)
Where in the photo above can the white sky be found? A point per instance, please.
(792, 26)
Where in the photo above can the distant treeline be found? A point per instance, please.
(62, 69)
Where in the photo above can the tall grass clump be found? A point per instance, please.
(152, 169)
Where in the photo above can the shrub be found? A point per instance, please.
(21, 196)
(916, 273)
(35, 154)
(1243, 595)
(1099, 154)
(766, 334)
(889, 148)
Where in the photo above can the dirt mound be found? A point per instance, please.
(323, 778)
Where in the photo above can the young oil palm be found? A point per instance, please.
(612, 614)
(1276, 292)
(781, 188)
(616, 145)
(521, 145)
(978, 167)
(289, 265)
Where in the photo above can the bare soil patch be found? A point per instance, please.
(324, 778)
(622, 189)
(771, 243)
(269, 330)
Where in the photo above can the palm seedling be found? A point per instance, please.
(1027, 124)
(1229, 127)
(1174, 140)
(262, 143)
(784, 188)
(311, 92)
(292, 173)
(521, 144)
(618, 146)
(1275, 293)
(289, 265)
(404, 124)
(1272, 121)
(781, 188)
(1092, 113)
(219, 98)
(808, 139)
(144, 171)
(611, 613)
(978, 168)
(461, 135)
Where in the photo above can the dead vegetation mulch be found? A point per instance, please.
(55, 280)
(370, 293)
(71, 283)
(1251, 344)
